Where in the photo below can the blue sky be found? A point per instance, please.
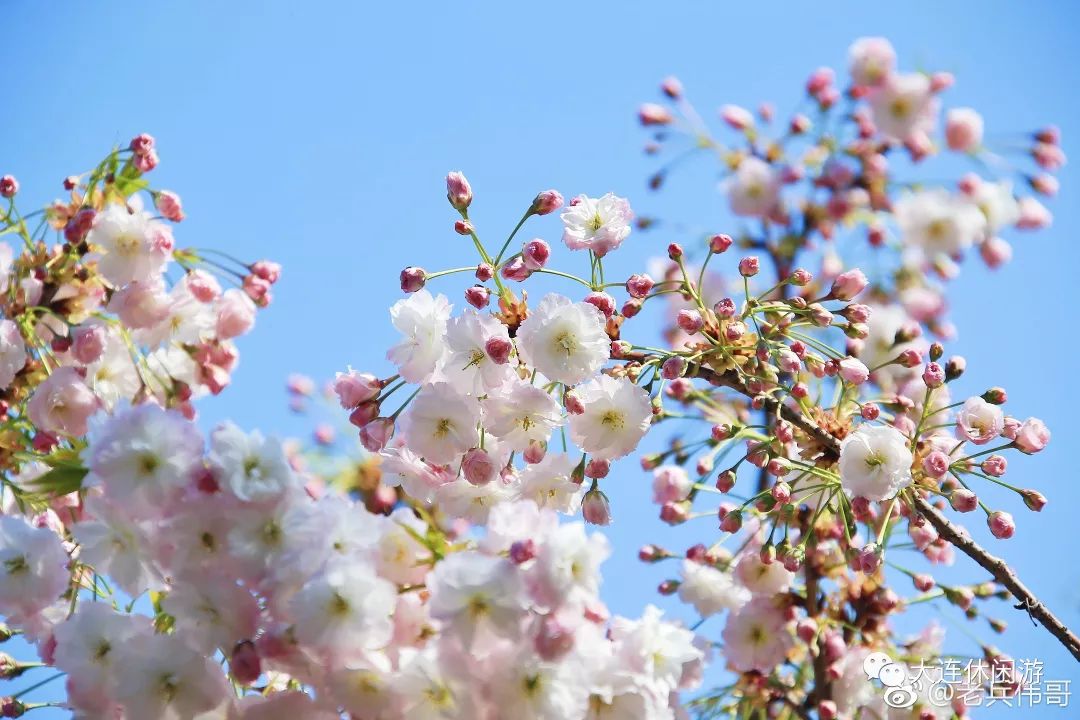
(318, 134)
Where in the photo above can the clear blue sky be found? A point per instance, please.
(318, 134)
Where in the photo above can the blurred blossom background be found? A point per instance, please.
(318, 134)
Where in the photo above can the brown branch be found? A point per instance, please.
(955, 534)
(1002, 573)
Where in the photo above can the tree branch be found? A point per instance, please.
(955, 534)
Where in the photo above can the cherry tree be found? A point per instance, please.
(448, 568)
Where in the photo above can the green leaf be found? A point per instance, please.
(61, 480)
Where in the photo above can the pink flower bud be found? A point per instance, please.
(638, 286)
(146, 163)
(236, 314)
(674, 513)
(266, 270)
(142, 144)
(674, 251)
(853, 371)
(484, 272)
(963, 500)
(827, 710)
(245, 666)
(353, 388)
(690, 321)
(963, 130)
(168, 204)
(719, 243)
(1001, 524)
(1047, 185)
(631, 308)
(731, 522)
(88, 343)
(820, 80)
(498, 349)
(602, 302)
(848, 284)
(535, 253)
(799, 124)
(516, 270)
(1032, 436)
(725, 308)
(936, 464)
(478, 296)
(203, 286)
(463, 227)
(1033, 215)
(412, 279)
(734, 330)
(933, 375)
(781, 492)
(652, 114)
(376, 434)
(573, 403)
(869, 558)
(801, 277)
(819, 315)
(595, 508)
(597, 468)
(994, 466)
(535, 452)
(870, 411)
(546, 202)
(749, 266)
(553, 641)
(364, 414)
(458, 191)
(941, 81)
(478, 467)
(910, 358)
(8, 186)
(737, 117)
(673, 368)
(522, 551)
(806, 629)
(1034, 499)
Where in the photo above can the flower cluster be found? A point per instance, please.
(816, 441)
(90, 318)
(383, 616)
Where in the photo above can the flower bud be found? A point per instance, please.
(484, 272)
(638, 286)
(963, 130)
(168, 204)
(674, 513)
(933, 375)
(955, 367)
(736, 117)
(749, 266)
(674, 251)
(478, 296)
(353, 388)
(553, 641)
(478, 467)
(412, 279)
(909, 358)
(535, 452)
(690, 321)
(853, 371)
(1001, 524)
(994, 466)
(498, 349)
(732, 522)
(546, 202)
(245, 665)
(1034, 499)
(1032, 436)
(652, 114)
(522, 551)
(870, 411)
(602, 302)
(719, 243)
(597, 468)
(848, 284)
(88, 343)
(464, 227)
(8, 186)
(458, 191)
(734, 330)
(725, 308)
(595, 508)
(800, 277)
(936, 464)
(963, 500)
(376, 434)
(535, 253)
(673, 367)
